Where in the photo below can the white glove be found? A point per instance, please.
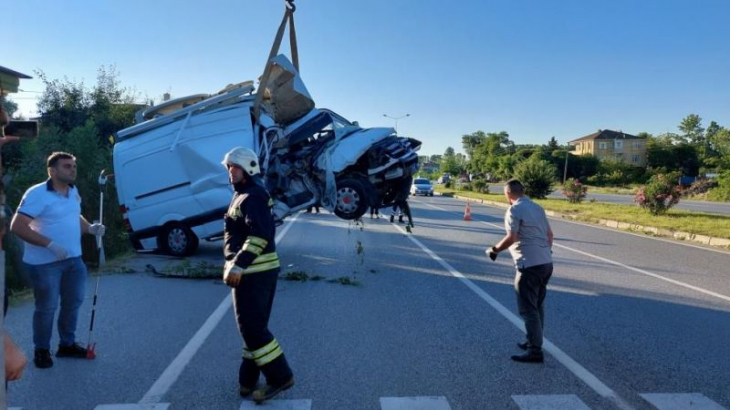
(232, 274)
(97, 229)
(58, 251)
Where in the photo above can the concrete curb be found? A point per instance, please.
(625, 226)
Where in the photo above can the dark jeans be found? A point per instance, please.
(530, 288)
(252, 302)
(67, 279)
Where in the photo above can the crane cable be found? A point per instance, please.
(288, 18)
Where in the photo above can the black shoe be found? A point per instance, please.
(532, 356)
(75, 350)
(43, 358)
(268, 392)
(246, 391)
(524, 345)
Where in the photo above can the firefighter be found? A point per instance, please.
(252, 270)
(400, 203)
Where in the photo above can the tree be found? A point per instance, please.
(553, 144)
(720, 142)
(450, 163)
(691, 126)
(10, 106)
(471, 141)
(537, 176)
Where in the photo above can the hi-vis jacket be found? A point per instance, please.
(249, 230)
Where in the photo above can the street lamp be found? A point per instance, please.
(396, 120)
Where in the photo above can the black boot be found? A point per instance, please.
(532, 356)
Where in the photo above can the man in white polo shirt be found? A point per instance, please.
(49, 220)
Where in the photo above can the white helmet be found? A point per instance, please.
(244, 158)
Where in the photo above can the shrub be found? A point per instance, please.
(659, 194)
(447, 184)
(700, 187)
(722, 192)
(574, 190)
(480, 186)
(465, 186)
(537, 176)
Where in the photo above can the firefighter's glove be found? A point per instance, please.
(58, 251)
(232, 274)
(97, 230)
(492, 253)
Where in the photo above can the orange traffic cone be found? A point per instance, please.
(467, 212)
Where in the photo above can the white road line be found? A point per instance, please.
(612, 262)
(550, 402)
(414, 403)
(579, 371)
(304, 404)
(174, 370)
(153, 406)
(681, 401)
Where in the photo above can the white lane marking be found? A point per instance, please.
(681, 401)
(612, 262)
(579, 371)
(176, 367)
(550, 402)
(414, 403)
(304, 404)
(155, 406)
(588, 225)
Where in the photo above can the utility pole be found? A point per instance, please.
(565, 170)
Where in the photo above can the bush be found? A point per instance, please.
(447, 184)
(722, 192)
(537, 176)
(700, 187)
(574, 190)
(465, 186)
(480, 186)
(659, 194)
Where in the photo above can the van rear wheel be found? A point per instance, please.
(177, 239)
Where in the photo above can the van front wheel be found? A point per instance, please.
(177, 239)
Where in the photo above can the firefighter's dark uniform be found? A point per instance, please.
(249, 242)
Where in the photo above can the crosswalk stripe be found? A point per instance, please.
(681, 401)
(304, 404)
(414, 403)
(550, 402)
(133, 406)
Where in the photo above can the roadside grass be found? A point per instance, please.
(612, 190)
(717, 226)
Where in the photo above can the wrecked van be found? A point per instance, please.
(174, 191)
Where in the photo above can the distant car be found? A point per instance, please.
(421, 186)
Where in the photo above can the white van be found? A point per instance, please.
(174, 191)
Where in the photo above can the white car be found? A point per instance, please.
(174, 191)
(421, 186)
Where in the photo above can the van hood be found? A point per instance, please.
(350, 148)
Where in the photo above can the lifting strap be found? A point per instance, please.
(288, 17)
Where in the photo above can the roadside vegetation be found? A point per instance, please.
(674, 219)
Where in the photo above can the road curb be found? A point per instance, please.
(625, 226)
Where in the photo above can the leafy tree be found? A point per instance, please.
(471, 141)
(537, 176)
(10, 106)
(553, 144)
(450, 164)
(719, 141)
(691, 126)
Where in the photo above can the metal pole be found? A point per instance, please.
(565, 171)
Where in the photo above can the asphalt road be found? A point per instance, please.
(722, 208)
(431, 325)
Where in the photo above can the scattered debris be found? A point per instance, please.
(344, 280)
(185, 269)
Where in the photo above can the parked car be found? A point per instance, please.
(174, 191)
(444, 179)
(421, 186)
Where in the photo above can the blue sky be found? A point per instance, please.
(533, 68)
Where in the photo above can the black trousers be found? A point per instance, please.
(252, 302)
(531, 288)
(405, 209)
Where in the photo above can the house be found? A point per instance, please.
(615, 145)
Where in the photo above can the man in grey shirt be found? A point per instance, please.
(529, 240)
